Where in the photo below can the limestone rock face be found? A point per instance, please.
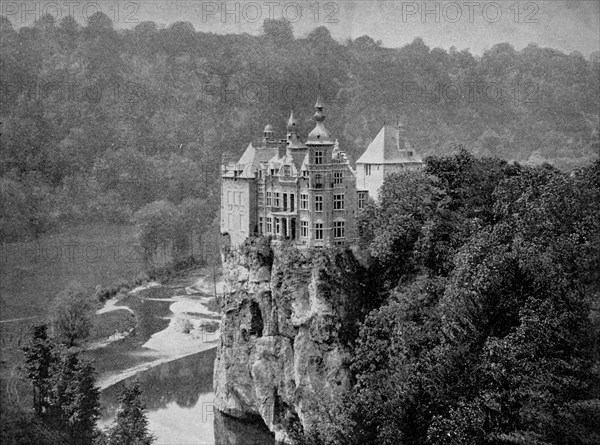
(280, 353)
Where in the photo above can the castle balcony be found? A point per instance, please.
(283, 213)
(288, 179)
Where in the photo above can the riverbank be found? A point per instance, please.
(172, 321)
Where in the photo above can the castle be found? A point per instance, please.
(307, 192)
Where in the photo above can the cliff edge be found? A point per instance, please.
(284, 333)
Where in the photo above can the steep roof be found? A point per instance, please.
(385, 150)
(253, 157)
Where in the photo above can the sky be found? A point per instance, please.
(567, 25)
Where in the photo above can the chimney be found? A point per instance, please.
(400, 131)
(282, 148)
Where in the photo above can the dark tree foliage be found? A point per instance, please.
(72, 312)
(502, 346)
(131, 425)
(66, 400)
(98, 122)
(74, 398)
(39, 354)
(18, 427)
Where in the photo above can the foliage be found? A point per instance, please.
(98, 123)
(131, 425)
(75, 400)
(72, 314)
(353, 289)
(39, 352)
(19, 427)
(258, 250)
(174, 269)
(161, 224)
(502, 346)
(66, 400)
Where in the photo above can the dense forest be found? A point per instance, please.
(486, 278)
(98, 123)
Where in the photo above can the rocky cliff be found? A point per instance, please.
(284, 333)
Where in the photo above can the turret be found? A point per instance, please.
(319, 135)
(268, 134)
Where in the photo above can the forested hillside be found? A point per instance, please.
(99, 123)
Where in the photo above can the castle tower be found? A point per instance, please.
(390, 152)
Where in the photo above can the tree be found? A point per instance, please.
(504, 349)
(66, 400)
(39, 354)
(72, 313)
(278, 31)
(156, 224)
(407, 200)
(74, 399)
(131, 425)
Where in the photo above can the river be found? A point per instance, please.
(179, 400)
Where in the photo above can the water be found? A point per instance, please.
(179, 401)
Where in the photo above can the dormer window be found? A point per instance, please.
(318, 157)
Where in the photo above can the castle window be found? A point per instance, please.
(277, 226)
(285, 201)
(318, 157)
(318, 181)
(269, 201)
(260, 225)
(277, 202)
(362, 198)
(286, 170)
(269, 225)
(318, 203)
(305, 173)
(338, 229)
(338, 177)
(318, 231)
(367, 169)
(292, 202)
(304, 229)
(338, 202)
(303, 201)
